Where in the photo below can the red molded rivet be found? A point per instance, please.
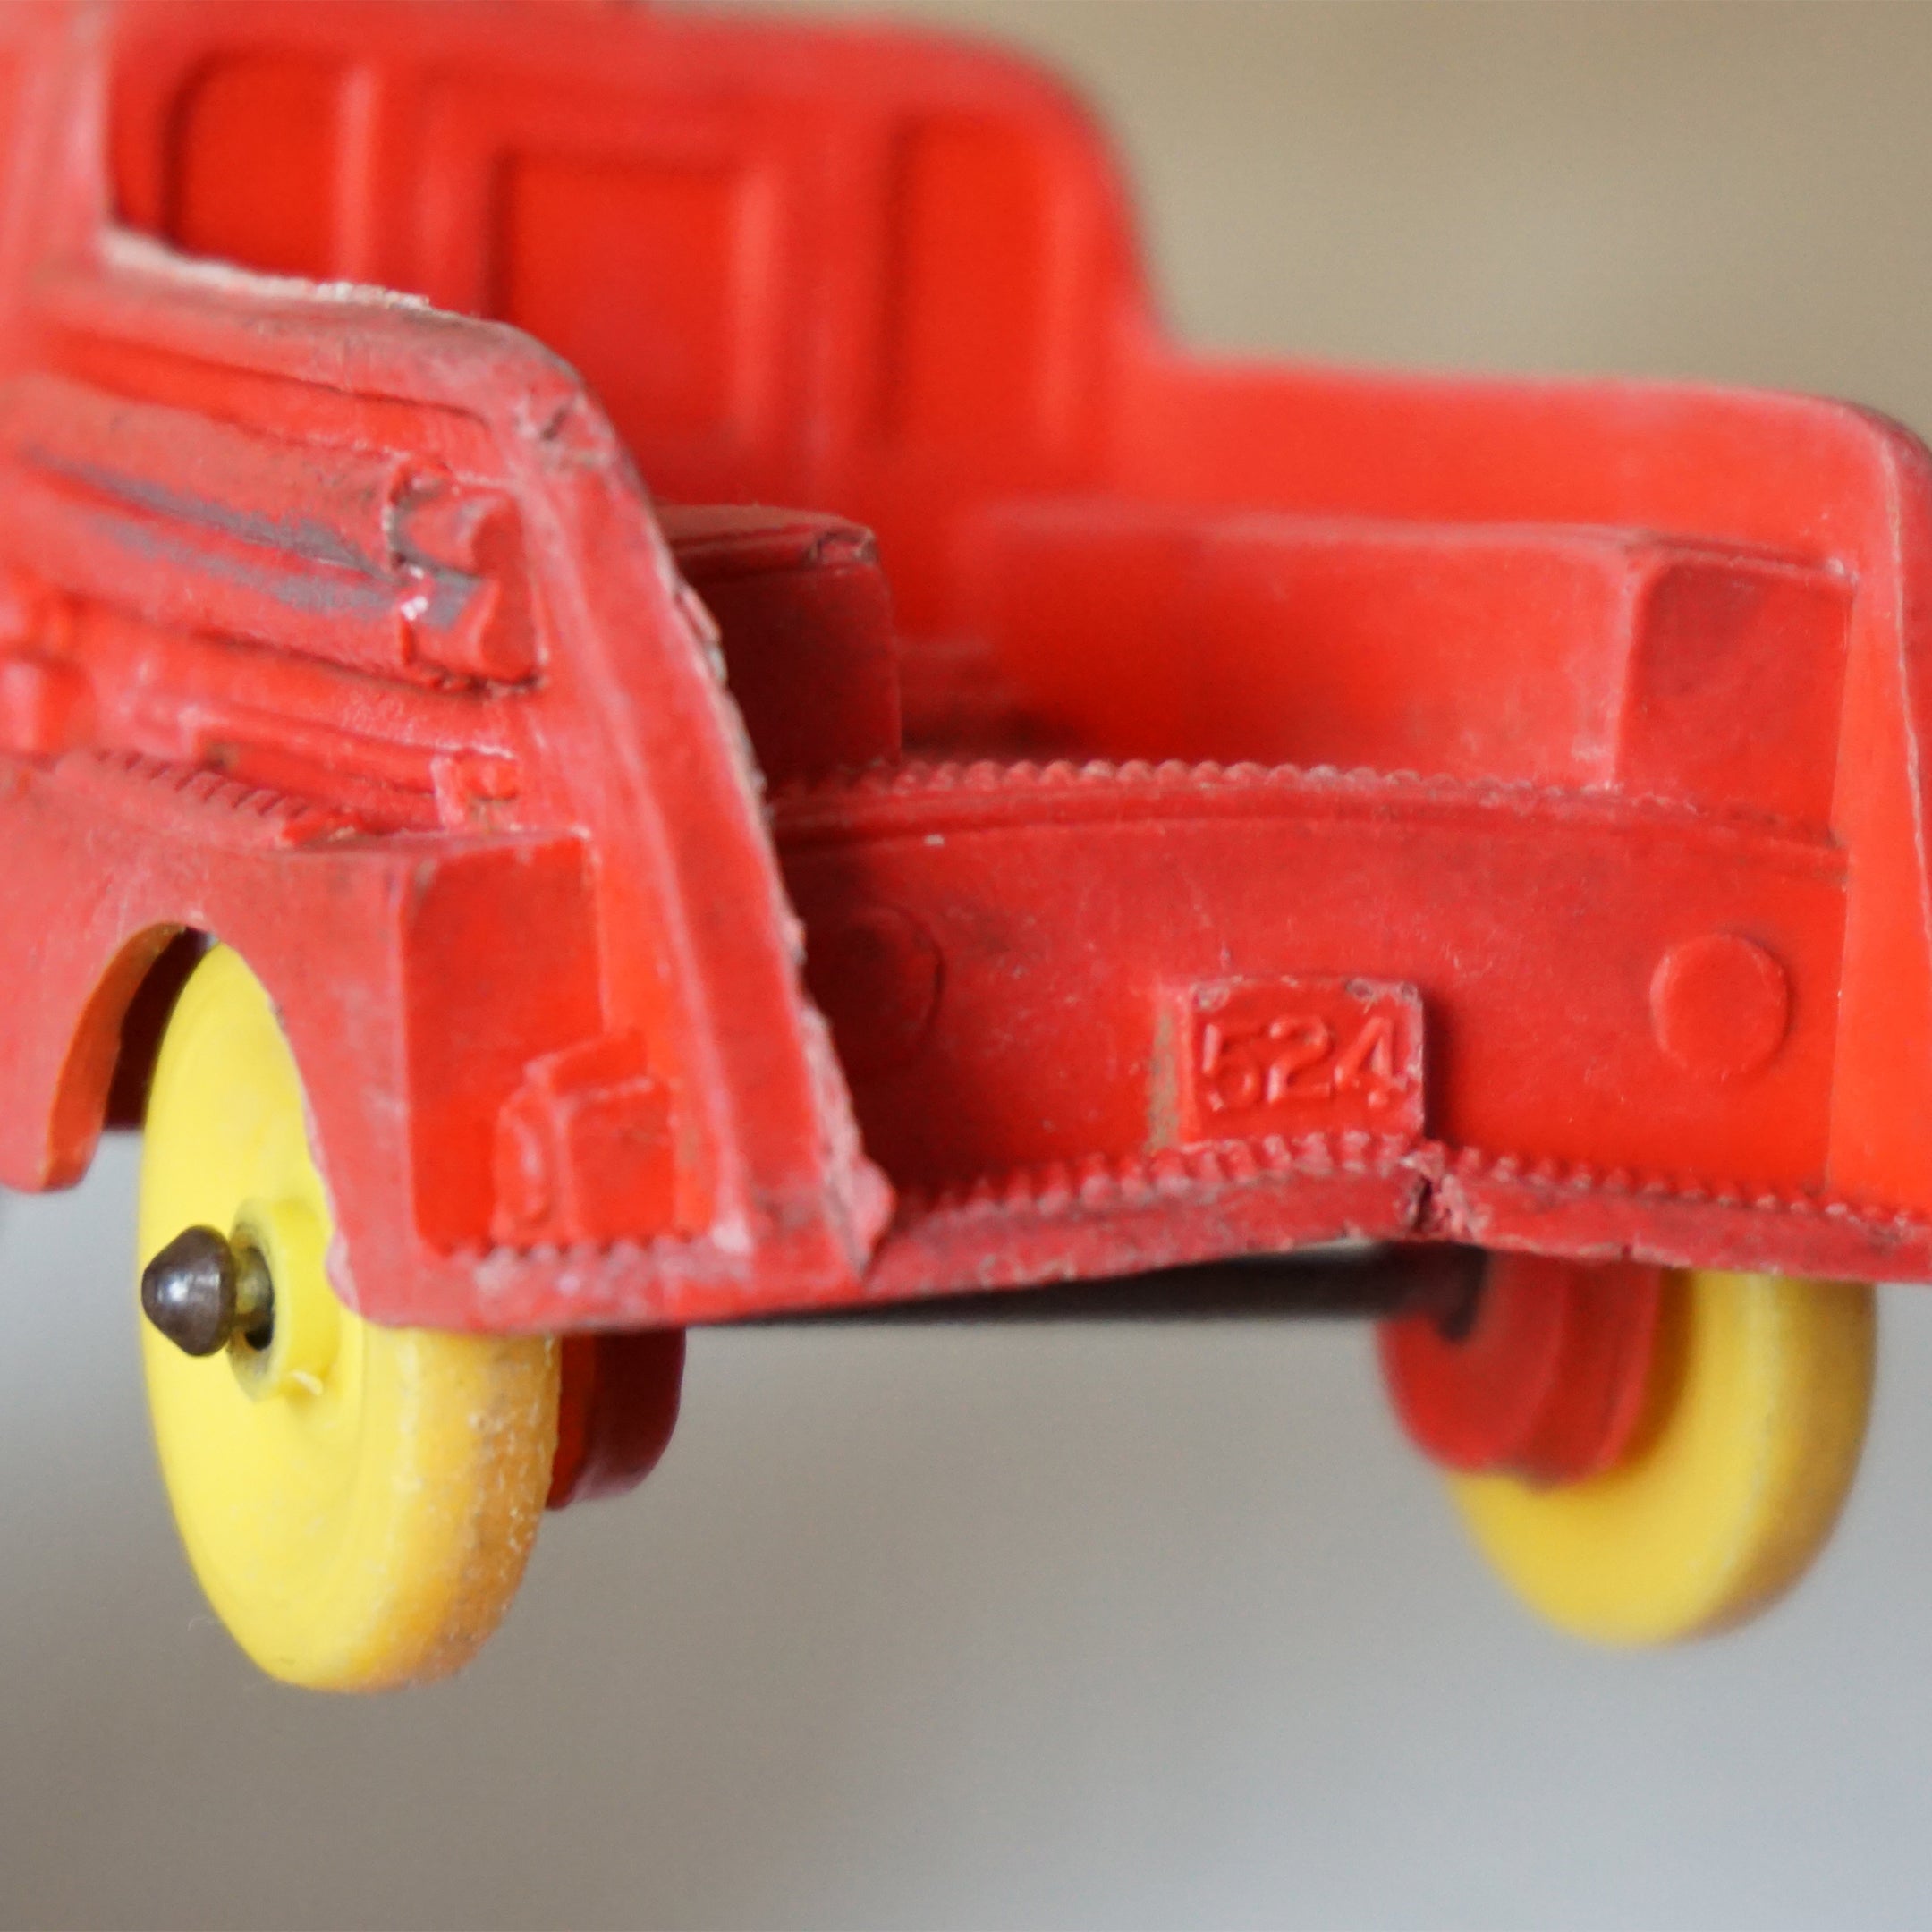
(1720, 1005)
(875, 977)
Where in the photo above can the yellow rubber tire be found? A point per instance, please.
(357, 1502)
(1750, 1438)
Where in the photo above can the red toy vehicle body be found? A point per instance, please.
(1273, 804)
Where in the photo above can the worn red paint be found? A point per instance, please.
(342, 626)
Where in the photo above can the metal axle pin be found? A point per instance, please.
(203, 1291)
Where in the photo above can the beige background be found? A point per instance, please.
(1094, 1629)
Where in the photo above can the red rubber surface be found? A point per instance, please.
(1548, 1380)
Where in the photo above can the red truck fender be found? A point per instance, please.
(403, 427)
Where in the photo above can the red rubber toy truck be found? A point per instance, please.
(636, 692)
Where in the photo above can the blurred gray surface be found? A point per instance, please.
(1149, 1629)
(1157, 1629)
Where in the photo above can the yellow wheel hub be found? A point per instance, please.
(1750, 1438)
(357, 1502)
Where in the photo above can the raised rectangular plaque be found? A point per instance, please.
(1299, 1055)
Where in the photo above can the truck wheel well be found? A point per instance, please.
(142, 1024)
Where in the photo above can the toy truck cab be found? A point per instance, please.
(1272, 805)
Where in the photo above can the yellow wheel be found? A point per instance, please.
(357, 1502)
(1754, 1417)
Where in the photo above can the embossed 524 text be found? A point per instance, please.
(1301, 1055)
